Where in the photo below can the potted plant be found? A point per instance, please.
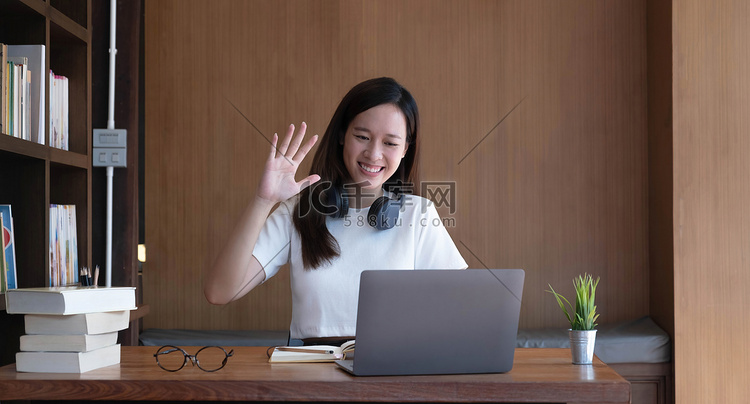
(582, 318)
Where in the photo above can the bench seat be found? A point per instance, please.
(160, 337)
(637, 341)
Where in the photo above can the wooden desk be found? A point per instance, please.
(538, 375)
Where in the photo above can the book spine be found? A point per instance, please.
(8, 246)
(3, 92)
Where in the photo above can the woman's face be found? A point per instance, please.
(374, 144)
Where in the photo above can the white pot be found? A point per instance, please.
(582, 346)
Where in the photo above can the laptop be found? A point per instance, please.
(436, 322)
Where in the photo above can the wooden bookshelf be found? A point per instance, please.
(33, 176)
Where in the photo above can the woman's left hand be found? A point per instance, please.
(277, 182)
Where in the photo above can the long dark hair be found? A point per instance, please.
(318, 244)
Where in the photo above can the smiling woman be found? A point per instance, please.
(365, 162)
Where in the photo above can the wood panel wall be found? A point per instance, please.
(711, 192)
(558, 188)
(660, 164)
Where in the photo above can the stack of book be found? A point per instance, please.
(70, 329)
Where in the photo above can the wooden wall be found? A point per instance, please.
(711, 192)
(559, 188)
(660, 164)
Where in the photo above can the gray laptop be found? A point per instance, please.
(436, 322)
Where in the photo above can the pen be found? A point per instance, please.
(303, 350)
(84, 277)
(96, 276)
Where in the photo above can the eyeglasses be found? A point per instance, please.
(208, 358)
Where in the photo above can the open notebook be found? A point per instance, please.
(313, 353)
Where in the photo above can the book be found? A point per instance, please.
(58, 111)
(3, 88)
(3, 265)
(19, 66)
(36, 67)
(86, 323)
(9, 247)
(311, 354)
(63, 247)
(10, 80)
(67, 343)
(67, 362)
(69, 300)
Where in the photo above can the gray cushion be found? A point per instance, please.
(159, 337)
(637, 341)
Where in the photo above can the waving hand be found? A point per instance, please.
(277, 182)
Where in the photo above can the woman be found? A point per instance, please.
(367, 158)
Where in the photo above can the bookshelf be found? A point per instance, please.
(33, 176)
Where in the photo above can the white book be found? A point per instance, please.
(27, 107)
(67, 343)
(87, 323)
(69, 300)
(55, 110)
(67, 362)
(73, 240)
(53, 242)
(21, 101)
(53, 136)
(18, 85)
(65, 115)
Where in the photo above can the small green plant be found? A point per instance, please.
(583, 316)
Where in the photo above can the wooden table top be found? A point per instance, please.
(538, 375)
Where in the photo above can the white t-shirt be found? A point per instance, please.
(324, 300)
